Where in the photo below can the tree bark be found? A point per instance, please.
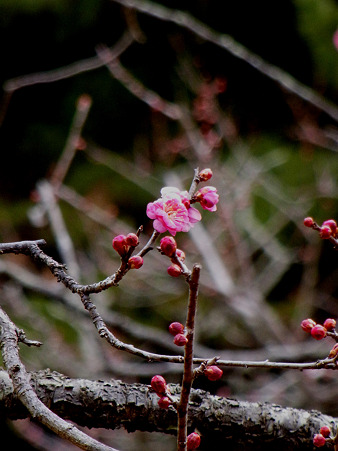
(113, 404)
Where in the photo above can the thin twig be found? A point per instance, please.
(31, 248)
(61, 73)
(188, 374)
(152, 99)
(83, 105)
(64, 243)
(226, 42)
(69, 71)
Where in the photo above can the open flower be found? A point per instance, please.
(207, 197)
(172, 212)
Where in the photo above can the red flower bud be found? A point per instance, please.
(135, 262)
(174, 270)
(319, 440)
(334, 351)
(308, 222)
(213, 373)
(325, 431)
(318, 332)
(120, 245)
(205, 175)
(132, 239)
(164, 402)
(332, 224)
(159, 385)
(193, 441)
(330, 324)
(176, 328)
(307, 325)
(168, 245)
(207, 197)
(325, 232)
(180, 340)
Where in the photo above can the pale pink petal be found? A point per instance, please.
(194, 215)
(159, 226)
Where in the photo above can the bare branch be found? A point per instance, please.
(188, 374)
(69, 71)
(113, 404)
(31, 248)
(26, 394)
(226, 42)
(152, 99)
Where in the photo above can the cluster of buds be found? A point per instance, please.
(206, 196)
(213, 373)
(177, 330)
(327, 230)
(318, 331)
(124, 245)
(319, 440)
(159, 385)
(193, 441)
(168, 247)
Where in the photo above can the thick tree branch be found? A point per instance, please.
(25, 393)
(114, 404)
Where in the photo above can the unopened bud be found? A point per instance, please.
(318, 332)
(120, 245)
(205, 175)
(135, 262)
(334, 351)
(325, 232)
(180, 340)
(330, 324)
(168, 245)
(193, 441)
(213, 373)
(307, 325)
(174, 270)
(332, 224)
(308, 222)
(159, 385)
(132, 239)
(319, 440)
(325, 431)
(176, 328)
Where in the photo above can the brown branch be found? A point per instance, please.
(26, 394)
(32, 248)
(113, 404)
(69, 71)
(188, 374)
(226, 42)
(83, 106)
(152, 99)
(61, 73)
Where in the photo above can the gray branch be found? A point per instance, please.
(114, 404)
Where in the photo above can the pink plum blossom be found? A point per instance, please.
(172, 212)
(207, 197)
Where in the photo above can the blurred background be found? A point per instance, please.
(88, 140)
